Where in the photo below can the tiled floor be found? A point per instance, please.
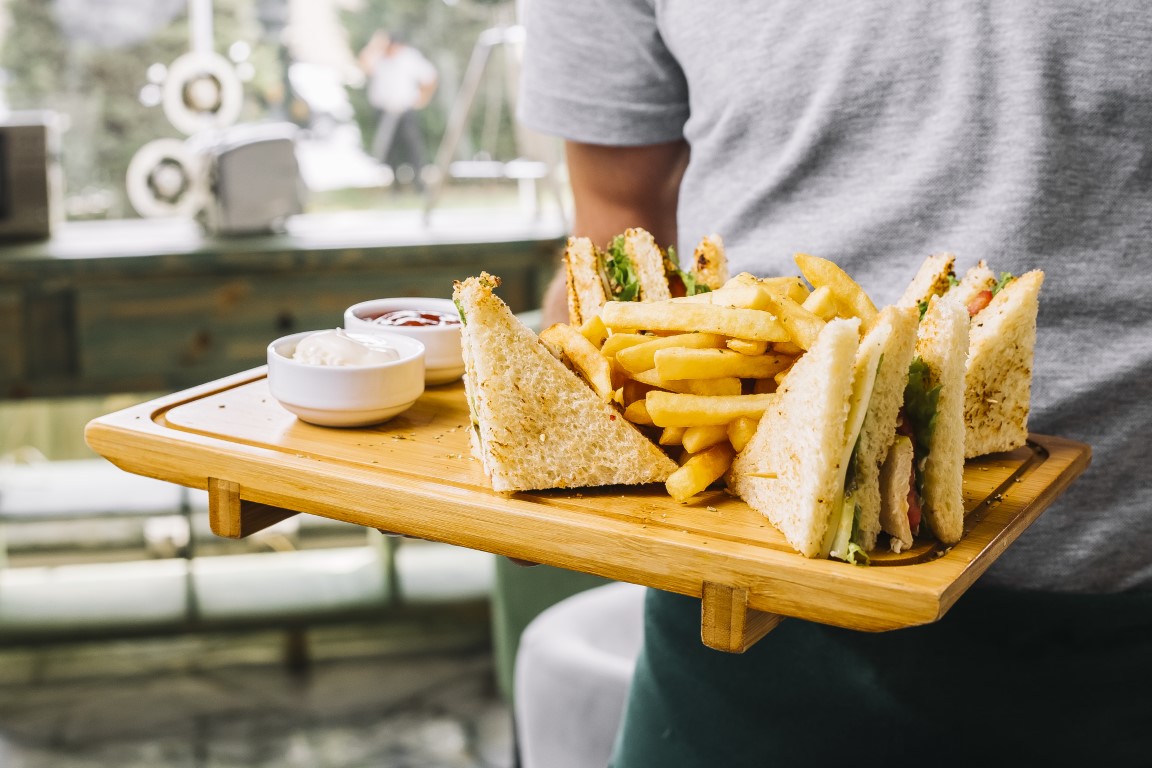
(405, 694)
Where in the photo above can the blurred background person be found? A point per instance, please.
(401, 82)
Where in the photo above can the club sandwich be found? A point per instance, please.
(998, 372)
(536, 423)
(813, 466)
(930, 446)
(635, 268)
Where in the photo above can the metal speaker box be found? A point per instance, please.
(31, 181)
(253, 179)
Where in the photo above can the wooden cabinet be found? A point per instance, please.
(11, 333)
(143, 316)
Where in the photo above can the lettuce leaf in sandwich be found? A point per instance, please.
(1005, 278)
(618, 272)
(676, 275)
(920, 407)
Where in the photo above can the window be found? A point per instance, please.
(108, 68)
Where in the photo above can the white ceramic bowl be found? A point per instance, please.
(443, 360)
(346, 395)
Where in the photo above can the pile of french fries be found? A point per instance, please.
(698, 372)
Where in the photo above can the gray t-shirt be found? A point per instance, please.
(876, 133)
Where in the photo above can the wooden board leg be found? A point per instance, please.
(235, 518)
(726, 621)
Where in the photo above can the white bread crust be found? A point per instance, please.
(537, 424)
(585, 287)
(799, 439)
(975, 281)
(895, 330)
(933, 278)
(998, 376)
(648, 262)
(942, 343)
(710, 262)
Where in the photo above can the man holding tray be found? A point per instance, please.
(874, 134)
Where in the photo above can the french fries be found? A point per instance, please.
(740, 432)
(698, 372)
(641, 357)
(721, 386)
(668, 409)
(618, 341)
(803, 326)
(786, 287)
(700, 471)
(585, 357)
(737, 292)
(593, 329)
(780, 287)
(696, 439)
(637, 413)
(821, 303)
(669, 316)
(850, 298)
(745, 347)
(683, 363)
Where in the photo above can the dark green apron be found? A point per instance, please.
(1003, 679)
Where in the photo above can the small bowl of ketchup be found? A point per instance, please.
(434, 322)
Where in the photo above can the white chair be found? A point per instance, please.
(573, 670)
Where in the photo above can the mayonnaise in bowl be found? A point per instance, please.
(337, 379)
(338, 347)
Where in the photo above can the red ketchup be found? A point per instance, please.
(414, 317)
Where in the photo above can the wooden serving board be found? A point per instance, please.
(415, 475)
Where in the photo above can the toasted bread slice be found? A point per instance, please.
(895, 483)
(789, 471)
(648, 262)
(895, 332)
(942, 343)
(585, 287)
(536, 423)
(934, 278)
(710, 262)
(998, 378)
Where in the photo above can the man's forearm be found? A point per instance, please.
(615, 188)
(619, 187)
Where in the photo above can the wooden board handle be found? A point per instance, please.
(726, 621)
(235, 518)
